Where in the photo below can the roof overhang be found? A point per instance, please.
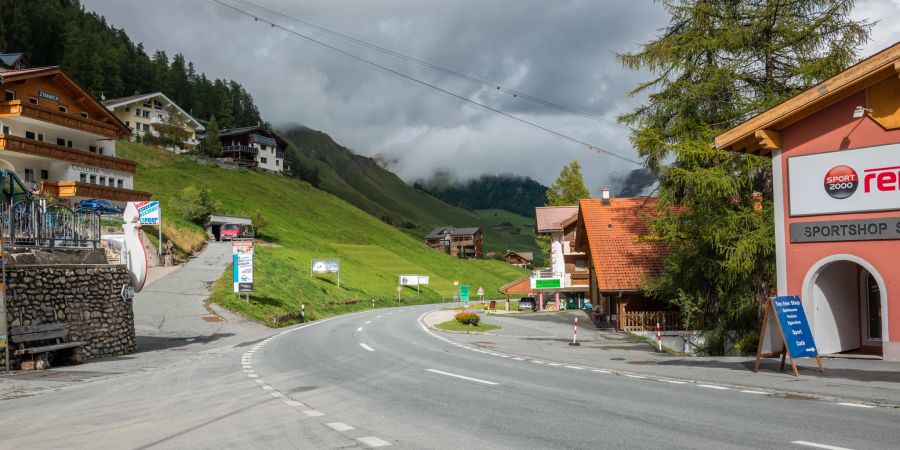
(761, 133)
(222, 220)
(142, 98)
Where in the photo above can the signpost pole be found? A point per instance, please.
(3, 322)
(160, 237)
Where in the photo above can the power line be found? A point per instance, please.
(426, 84)
(451, 72)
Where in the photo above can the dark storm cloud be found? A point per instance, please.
(562, 51)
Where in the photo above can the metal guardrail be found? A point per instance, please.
(29, 223)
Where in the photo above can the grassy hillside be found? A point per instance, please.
(517, 231)
(362, 182)
(306, 223)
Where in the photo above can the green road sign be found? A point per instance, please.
(464, 293)
(547, 283)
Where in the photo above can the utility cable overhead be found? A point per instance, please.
(451, 72)
(425, 84)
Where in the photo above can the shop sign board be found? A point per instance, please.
(242, 260)
(846, 230)
(546, 283)
(148, 212)
(795, 327)
(845, 181)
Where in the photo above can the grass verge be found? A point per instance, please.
(453, 325)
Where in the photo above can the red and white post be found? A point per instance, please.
(574, 342)
(658, 337)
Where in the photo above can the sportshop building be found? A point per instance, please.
(836, 162)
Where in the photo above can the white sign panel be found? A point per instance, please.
(326, 266)
(148, 212)
(242, 260)
(847, 181)
(409, 280)
(423, 279)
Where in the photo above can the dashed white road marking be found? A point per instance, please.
(340, 426)
(713, 386)
(674, 381)
(292, 402)
(267, 387)
(373, 441)
(855, 405)
(277, 394)
(519, 359)
(462, 377)
(600, 371)
(747, 391)
(536, 361)
(575, 367)
(313, 413)
(252, 375)
(554, 364)
(370, 349)
(368, 322)
(813, 444)
(378, 317)
(260, 381)
(634, 376)
(359, 329)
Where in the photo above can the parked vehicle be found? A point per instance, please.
(527, 303)
(100, 206)
(230, 231)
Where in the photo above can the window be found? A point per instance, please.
(112, 182)
(29, 175)
(5, 129)
(29, 135)
(84, 114)
(127, 109)
(137, 112)
(41, 137)
(146, 127)
(45, 175)
(119, 183)
(145, 114)
(61, 142)
(159, 116)
(63, 109)
(579, 264)
(93, 179)
(100, 150)
(32, 100)
(92, 149)
(9, 95)
(128, 124)
(83, 178)
(102, 180)
(263, 160)
(277, 162)
(69, 144)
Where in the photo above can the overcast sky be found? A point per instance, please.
(560, 50)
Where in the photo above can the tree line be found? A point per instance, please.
(512, 193)
(105, 61)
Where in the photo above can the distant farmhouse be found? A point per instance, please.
(254, 147)
(11, 61)
(146, 114)
(519, 259)
(462, 243)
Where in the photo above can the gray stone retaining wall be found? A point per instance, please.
(87, 297)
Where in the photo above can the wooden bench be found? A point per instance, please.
(55, 332)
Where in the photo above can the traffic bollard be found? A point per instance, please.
(574, 342)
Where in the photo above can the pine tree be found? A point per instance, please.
(568, 187)
(211, 145)
(717, 63)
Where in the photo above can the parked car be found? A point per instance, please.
(527, 303)
(100, 206)
(230, 231)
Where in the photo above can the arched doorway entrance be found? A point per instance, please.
(845, 301)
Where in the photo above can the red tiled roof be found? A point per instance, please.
(550, 218)
(613, 231)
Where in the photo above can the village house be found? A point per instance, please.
(609, 232)
(11, 61)
(254, 147)
(144, 114)
(518, 259)
(53, 131)
(835, 152)
(459, 242)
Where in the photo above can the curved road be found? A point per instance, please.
(380, 378)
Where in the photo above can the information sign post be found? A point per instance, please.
(792, 326)
(464, 294)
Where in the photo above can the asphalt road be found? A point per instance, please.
(380, 378)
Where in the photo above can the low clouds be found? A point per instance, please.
(562, 51)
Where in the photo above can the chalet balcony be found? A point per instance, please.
(240, 149)
(47, 150)
(45, 114)
(279, 155)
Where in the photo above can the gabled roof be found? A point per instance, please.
(443, 231)
(10, 60)
(528, 256)
(257, 130)
(621, 260)
(551, 218)
(114, 103)
(746, 137)
(66, 81)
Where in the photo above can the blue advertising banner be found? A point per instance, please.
(795, 327)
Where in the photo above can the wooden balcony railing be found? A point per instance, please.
(37, 148)
(44, 114)
(647, 320)
(110, 193)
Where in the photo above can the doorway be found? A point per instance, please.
(845, 307)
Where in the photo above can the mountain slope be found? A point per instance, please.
(365, 184)
(307, 223)
(512, 193)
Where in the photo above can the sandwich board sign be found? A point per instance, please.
(791, 325)
(242, 261)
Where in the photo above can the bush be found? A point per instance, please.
(468, 318)
(196, 205)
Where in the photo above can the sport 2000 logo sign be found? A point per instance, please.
(841, 182)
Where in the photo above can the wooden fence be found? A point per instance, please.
(647, 320)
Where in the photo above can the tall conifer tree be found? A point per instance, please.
(717, 63)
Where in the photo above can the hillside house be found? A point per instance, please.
(254, 147)
(11, 61)
(518, 259)
(465, 243)
(609, 233)
(52, 130)
(144, 114)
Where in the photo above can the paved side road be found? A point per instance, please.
(546, 336)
